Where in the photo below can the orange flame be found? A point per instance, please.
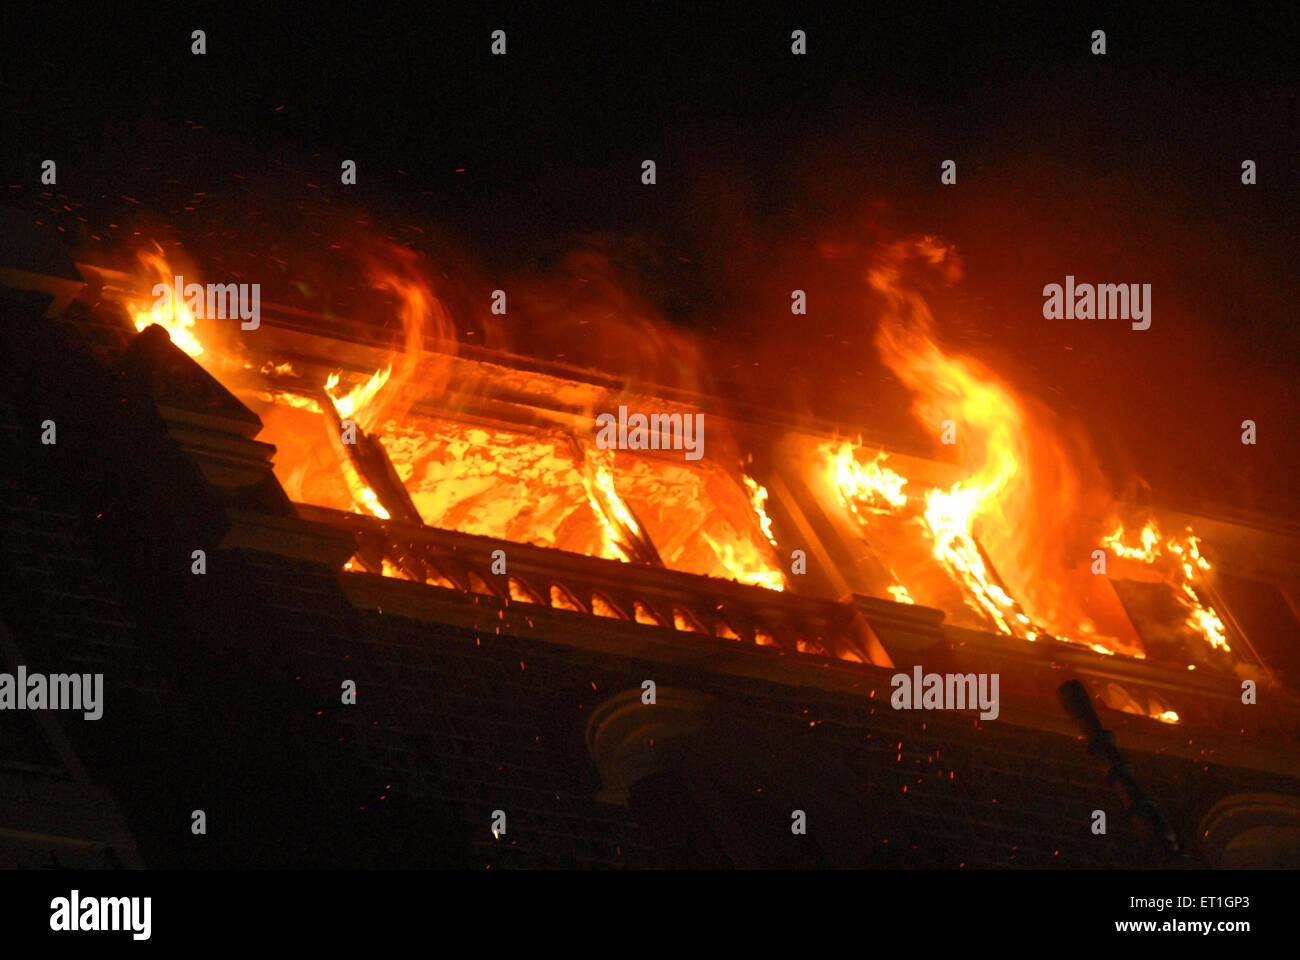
(360, 397)
(745, 563)
(1022, 495)
(607, 505)
(1182, 558)
(744, 558)
(990, 425)
(758, 500)
(172, 314)
(868, 487)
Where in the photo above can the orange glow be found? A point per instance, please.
(899, 594)
(744, 559)
(619, 527)
(702, 519)
(988, 424)
(1018, 502)
(869, 487)
(997, 549)
(744, 563)
(359, 397)
(1182, 566)
(494, 482)
(758, 500)
(172, 315)
(347, 408)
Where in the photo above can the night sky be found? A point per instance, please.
(775, 172)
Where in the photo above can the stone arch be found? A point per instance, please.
(1252, 830)
(715, 785)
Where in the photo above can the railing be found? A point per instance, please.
(634, 593)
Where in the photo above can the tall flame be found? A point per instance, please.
(1021, 502)
(1024, 495)
(390, 393)
(990, 425)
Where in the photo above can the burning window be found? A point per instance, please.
(991, 539)
(495, 482)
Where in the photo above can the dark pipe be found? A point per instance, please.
(1159, 838)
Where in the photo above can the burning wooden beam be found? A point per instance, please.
(370, 460)
(621, 524)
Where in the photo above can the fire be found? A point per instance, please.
(622, 531)
(359, 397)
(1020, 488)
(348, 407)
(295, 400)
(987, 536)
(1180, 558)
(746, 564)
(1146, 553)
(989, 423)
(385, 396)
(951, 517)
(871, 487)
(173, 314)
(899, 594)
(703, 518)
(758, 500)
(946, 517)
(1017, 503)
(494, 482)
(743, 559)
(514, 486)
